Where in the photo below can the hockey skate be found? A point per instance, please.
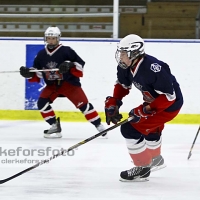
(157, 163)
(136, 174)
(101, 128)
(54, 131)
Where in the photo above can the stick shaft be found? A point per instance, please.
(190, 153)
(65, 151)
(32, 70)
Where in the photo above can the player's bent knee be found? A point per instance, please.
(43, 103)
(86, 107)
(153, 136)
(129, 132)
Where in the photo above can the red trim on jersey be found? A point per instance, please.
(51, 50)
(120, 92)
(133, 68)
(76, 72)
(34, 79)
(161, 103)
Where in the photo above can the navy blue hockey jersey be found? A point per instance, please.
(153, 78)
(50, 60)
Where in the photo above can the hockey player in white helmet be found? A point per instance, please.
(130, 49)
(162, 101)
(52, 34)
(62, 83)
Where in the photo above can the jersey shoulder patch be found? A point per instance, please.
(155, 67)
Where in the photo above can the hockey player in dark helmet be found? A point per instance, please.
(65, 82)
(162, 101)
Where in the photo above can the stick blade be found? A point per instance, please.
(189, 155)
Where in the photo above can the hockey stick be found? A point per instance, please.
(190, 153)
(65, 151)
(32, 70)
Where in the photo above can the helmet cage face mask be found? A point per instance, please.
(117, 57)
(52, 32)
(133, 50)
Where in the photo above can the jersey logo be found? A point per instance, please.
(155, 67)
(53, 75)
(51, 65)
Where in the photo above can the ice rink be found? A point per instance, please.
(92, 171)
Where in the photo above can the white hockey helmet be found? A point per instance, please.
(52, 32)
(133, 45)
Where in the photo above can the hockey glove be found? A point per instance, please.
(140, 114)
(25, 72)
(112, 106)
(65, 67)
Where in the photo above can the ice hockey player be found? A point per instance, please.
(162, 101)
(62, 83)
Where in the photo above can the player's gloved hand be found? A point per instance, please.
(112, 106)
(65, 67)
(140, 113)
(25, 72)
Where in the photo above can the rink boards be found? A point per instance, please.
(19, 98)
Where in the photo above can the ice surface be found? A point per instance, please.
(93, 171)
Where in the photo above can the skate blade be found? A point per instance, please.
(156, 168)
(53, 135)
(135, 180)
